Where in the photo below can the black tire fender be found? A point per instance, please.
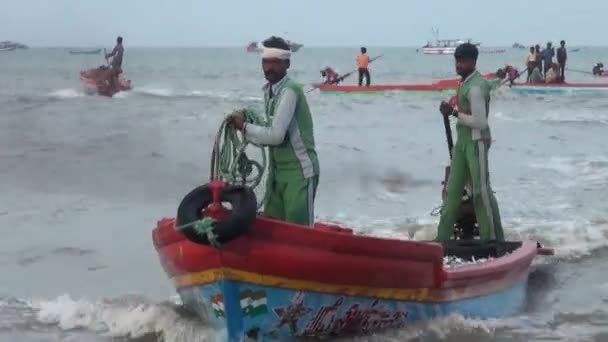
(239, 221)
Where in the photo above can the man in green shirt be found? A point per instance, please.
(294, 166)
(470, 153)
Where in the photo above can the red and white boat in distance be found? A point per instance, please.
(444, 46)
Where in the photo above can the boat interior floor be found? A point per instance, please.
(478, 249)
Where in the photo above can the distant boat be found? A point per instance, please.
(85, 52)
(518, 46)
(255, 46)
(12, 45)
(444, 46)
(293, 46)
(575, 50)
(8, 48)
(493, 51)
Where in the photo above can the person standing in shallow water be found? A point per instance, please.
(470, 153)
(362, 64)
(293, 167)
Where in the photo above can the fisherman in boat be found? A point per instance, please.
(331, 76)
(294, 166)
(536, 76)
(470, 154)
(116, 64)
(562, 56)
(539, 60)
(598, 69)
(531, 61)
(553, 74)
(362, 64)
(494, 82)
(511, 73)
(547, 57)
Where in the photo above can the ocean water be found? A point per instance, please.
(83, 180)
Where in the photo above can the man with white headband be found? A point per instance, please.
(294, 166)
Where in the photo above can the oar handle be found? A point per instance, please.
(448, 133)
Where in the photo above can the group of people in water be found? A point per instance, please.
(542, 68)
(289, 135)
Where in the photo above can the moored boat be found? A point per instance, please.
(444, 46)
(85, 52)
(8, 45)
(264, 279)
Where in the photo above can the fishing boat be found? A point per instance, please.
(85, 52)
(559, 88)
(263, 279)
(494, 51)
(11, 45)
(448, 85)
(293, 46)
(255, 46)
(96, 81)
(518, 46)
(444, 46)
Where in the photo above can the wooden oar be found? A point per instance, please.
(345, 75)
(448, 133)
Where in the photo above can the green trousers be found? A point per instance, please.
(292, 201)
(470, 160)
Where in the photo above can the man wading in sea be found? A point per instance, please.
(294, 167)
(470, 154)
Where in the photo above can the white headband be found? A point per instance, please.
(275, 53)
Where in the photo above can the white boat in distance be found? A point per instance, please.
(444, 46)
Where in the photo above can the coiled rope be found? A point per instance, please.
(230, 163)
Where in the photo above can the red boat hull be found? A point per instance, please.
(326, 254)
(442, 85)
(95, 81)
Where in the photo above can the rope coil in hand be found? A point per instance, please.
(230, 163)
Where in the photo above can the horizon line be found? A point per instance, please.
(304, 46)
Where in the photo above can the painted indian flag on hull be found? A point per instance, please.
(217, 302)
(253, 303)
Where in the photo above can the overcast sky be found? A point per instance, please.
(311, 22)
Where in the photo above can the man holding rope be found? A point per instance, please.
(470, 154)
(294, 166)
